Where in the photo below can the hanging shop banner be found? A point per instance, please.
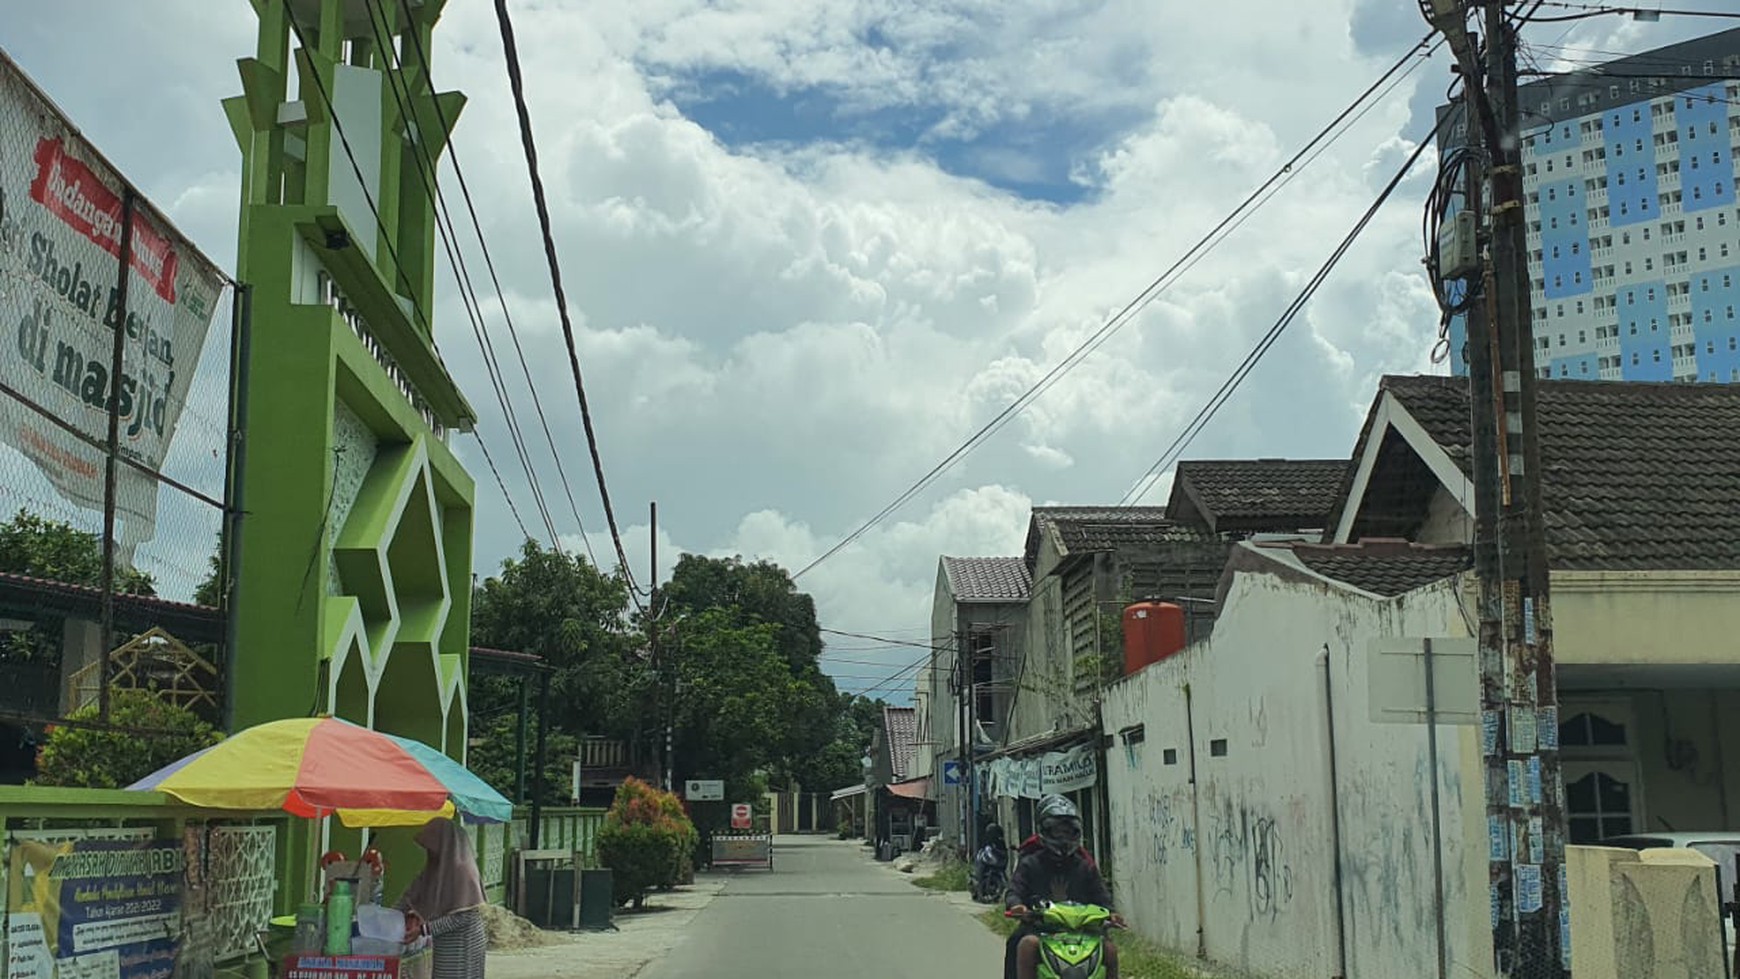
(94, 909)
(1067, 771)
(61, 231)
(1054, 771)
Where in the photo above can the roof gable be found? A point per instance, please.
(1075, 530)
(987, 579)
(1636, 476)
(901, 723)
(1384, 567)
(1257, 495)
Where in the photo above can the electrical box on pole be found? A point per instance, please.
(1518, 696)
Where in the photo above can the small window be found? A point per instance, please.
(1217, 747)
(1169, 756)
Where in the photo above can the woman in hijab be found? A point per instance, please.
(446, 900)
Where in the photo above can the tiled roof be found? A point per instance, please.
(1634, 475)
(901, 723)
(1082, 529)
(1383, 567)
(1258, 494)
(988, 579)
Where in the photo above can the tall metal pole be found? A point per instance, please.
(968, 779)
(118, 310)
(235, 499)
(964, 809)
(540, 757)
(667, 674)
(1519, 695)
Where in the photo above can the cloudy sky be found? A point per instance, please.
(812, 246)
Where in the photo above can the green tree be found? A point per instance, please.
(562, 608)
(147, 734)
(762, 595)
(42, 548)
(210, 591)
(492, 757)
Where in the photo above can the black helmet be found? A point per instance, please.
(1059, 825)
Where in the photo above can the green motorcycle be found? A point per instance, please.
(1072, 939)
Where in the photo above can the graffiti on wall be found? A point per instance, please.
(1247, 849)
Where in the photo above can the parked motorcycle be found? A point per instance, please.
(1072, 939)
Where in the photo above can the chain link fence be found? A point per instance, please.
(116, 353)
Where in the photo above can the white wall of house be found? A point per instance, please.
(1249, 856)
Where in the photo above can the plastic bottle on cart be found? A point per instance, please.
(340, 910)
(310, 929)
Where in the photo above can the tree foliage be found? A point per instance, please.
(562, 608)
(42, 548)
(147, 734)
(493, 757)
(740, 647)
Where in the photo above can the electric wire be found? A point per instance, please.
(1328, 135)
(386, 237)
(1588, 10)
(1209, 410)
(495, 280)
(516, 81)
(427, 175)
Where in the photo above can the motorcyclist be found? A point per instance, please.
(990, 865)
(1054, 867)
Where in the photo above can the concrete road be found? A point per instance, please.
(828, 910)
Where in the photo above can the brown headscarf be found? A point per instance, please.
(449, 881)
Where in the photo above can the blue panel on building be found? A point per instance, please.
(1706, 161)
(1644, 347)
(1629, 136)
(1715, 296)
(1564, 240)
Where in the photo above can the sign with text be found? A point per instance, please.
(62, 225)
(1054, 771)
(742, 815)
(109, 908)
(704, 790)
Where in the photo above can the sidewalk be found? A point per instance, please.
(644, 937)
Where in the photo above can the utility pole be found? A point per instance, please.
(666, 673)
(1518, 686)
(962, 642)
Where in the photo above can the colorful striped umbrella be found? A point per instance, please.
(322, 766)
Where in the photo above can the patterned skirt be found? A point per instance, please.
(460, 946)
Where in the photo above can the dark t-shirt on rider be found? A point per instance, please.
(1041, 877)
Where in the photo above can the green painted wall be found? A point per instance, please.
(354, 594)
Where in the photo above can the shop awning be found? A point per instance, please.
(848, 792)
(918, 788)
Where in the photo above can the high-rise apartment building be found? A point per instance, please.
(1634, 231)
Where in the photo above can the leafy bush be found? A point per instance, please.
(92, 758)
(646, 841)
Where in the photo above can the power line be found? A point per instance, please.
(1232, 383)
(524, 534)
(495, 279)
(427, 175)
(1641, 13)
(386, 237)
(517, 83)
(1327, 136)
(888, 641)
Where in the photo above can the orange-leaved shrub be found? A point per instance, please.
(646, 841)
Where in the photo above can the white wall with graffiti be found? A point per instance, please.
(1241, 868)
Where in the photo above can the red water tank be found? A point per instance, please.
(1152, 632)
